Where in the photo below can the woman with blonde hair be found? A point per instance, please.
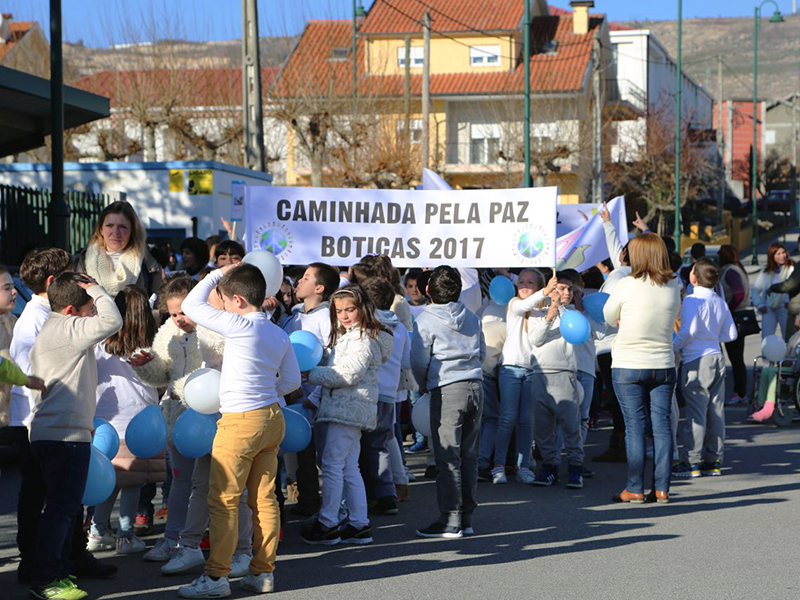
(117, 254)
(644, 306)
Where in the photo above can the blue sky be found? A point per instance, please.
(103, 22)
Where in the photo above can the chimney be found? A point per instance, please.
(5, 29)
(580, 17)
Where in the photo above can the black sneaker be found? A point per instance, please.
(318, 535)
(546, 476)
(485, 475)
(385, 506)
(353, 535)
(431, 472)
(711, 469)
(440, 530)
(88, 567)
(684, 470)
(587, 472)
(575, 478)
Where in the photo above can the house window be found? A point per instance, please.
(484, 56)
(417, 57)
(484, 144)
(414, 127)
(340, 53)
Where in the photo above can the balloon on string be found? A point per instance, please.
(101, 479)
(594, 304)
(575, 327)
(773, 348)
(501, 290)
(146, 434)
(307, 349)
(105, 438)
(298, 432)
(193, 434)
(201, 391)
(300, 410)
(421, 415)
(269, 266)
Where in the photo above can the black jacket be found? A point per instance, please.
(792, 287)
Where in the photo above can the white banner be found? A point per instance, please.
(585, 246)
(465, 228)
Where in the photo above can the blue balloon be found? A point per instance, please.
(594, 304)
(298, 432)
(301, 410)
(307, 349)
(193, 434)
(106, 438)
(575, 327)
(501, 290)
(100, 481)
(146, 434)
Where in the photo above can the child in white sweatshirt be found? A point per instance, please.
(555, 390)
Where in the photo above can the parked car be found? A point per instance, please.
(780, 201)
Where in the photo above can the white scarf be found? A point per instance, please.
(100, 268)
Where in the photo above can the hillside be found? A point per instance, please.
(704, 39)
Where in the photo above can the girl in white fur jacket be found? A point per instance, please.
(180, 348)
(349, 404)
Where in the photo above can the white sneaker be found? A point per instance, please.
(162, 551)
(101, 542)
(130, 545)
(499, 475)
(240, 565)
(263, 583)
(205, 587)
(526, 476)
(183, 559)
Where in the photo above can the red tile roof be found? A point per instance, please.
(191, 87)
(17, 30)
(450, 16)
(310, 72)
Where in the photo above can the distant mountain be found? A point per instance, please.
(704, 39)
(81, 60)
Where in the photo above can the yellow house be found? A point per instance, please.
(341, 135)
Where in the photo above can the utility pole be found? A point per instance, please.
(598, 124)
(58, 211)
(251, 94)
(426, 91)
(720, 144)
(679, 81)
(407, 87)
(526, 58)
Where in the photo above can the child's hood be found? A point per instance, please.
(387, 318)
(452, 314)
(301, 308)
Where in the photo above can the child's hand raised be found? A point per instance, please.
(604, 214)
(140, 359)
(85, 281)
(35, 383)
(551, 285)
(227, 268)
(270, 303)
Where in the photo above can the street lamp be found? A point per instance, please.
(678, 82)
(775, 18)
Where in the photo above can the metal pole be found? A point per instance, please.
(720, 143)
(426, 91)
(754, 154)
(679, 78)
(58, 218)
(355, 72)
(526, 57)
(251, 92)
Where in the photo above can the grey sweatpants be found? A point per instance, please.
(456, 433)
(556, 401)
(703, 385)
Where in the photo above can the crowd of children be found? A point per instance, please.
(502, 381)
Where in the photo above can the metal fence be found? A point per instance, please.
(24, 220)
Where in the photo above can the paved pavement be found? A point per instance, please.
(730, 537)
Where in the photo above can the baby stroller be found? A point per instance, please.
(778, 382)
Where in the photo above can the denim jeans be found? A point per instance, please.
(180, 491)
(128, 502)
(643, 391)
(586, 381)
(491, 415)
(516, 410)
(374, 459)
(773, 318)
(65, 466)
(455, 433)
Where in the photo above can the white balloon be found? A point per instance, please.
(421, 415)
(773, 348)
(269, 266)
(202, 391)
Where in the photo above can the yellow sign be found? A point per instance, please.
(201, 182)
(175, 180)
